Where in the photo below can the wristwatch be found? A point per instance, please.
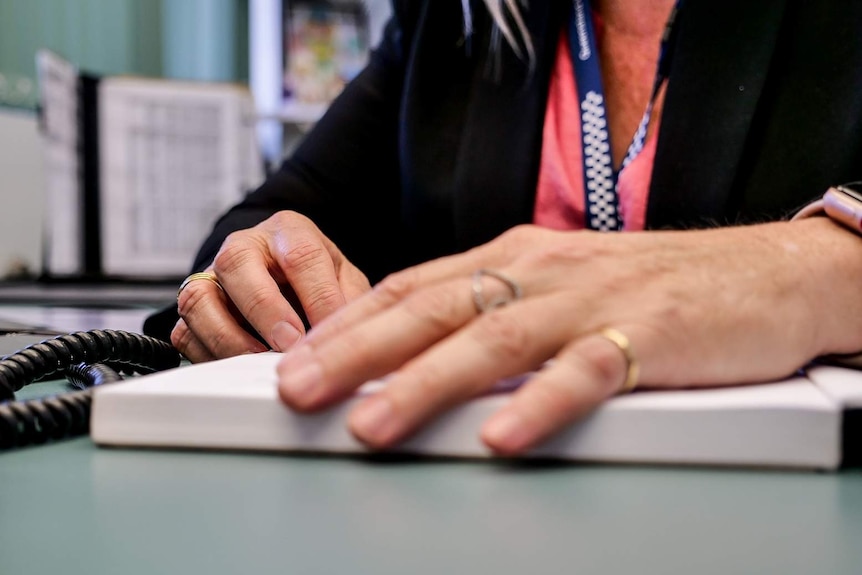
(842, 204)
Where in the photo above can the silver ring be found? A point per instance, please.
(482, 304)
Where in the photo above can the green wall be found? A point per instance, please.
(189, 39)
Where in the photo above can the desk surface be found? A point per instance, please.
(73, 508)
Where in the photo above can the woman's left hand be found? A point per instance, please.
(714, 307)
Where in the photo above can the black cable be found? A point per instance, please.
(87, 359)
(85, 376)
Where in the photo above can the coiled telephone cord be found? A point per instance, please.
(87, 359)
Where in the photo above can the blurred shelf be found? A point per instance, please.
(48, 319)
(104, 295)
(296, 113)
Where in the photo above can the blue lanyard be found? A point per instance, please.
(602, 199)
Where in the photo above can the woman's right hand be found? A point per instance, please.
(260, 269)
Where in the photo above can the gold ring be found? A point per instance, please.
(208, 276)
(633, 368)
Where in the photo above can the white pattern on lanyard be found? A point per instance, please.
(603, 211)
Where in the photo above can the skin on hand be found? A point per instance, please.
(714, 307)
(256, 267)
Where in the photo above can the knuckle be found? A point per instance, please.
(601, 367)
(554, 255)
(536, 244)
(181, 336)
(284, 218)
(555, 401)
(324, 297)
(303, 255)
(279, 219)
(513, 240)
(668, 319)
(518, 234)
(502, 334)
(439, 309)
(671, 315)
(526, 235)
(606, 366)
(219, 342)
(192, 296)
(397, 286)
(256, 301)
(428, 389)
(233, 253)
(352, 353)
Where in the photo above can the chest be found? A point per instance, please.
(629, 52)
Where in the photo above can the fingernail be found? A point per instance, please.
(301, 375)
(373, 420)
(284, 336)
(506, 432)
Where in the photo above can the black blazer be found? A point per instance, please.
(433, 150)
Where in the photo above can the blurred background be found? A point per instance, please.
(294, 55)
(190, 39)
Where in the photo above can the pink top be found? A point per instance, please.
(560, 191)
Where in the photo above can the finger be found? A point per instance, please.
(307, 261)
(498, 344)
(582, 376)
(329, 365)
(398, 286)
(353, 283)
(187, 344)
(392, 290)
(320, 371)
(242, 268)
(204, 309)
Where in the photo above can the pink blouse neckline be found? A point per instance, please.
(560, 190)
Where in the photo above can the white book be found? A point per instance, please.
(233, 404)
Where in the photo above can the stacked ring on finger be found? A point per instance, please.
(208, 276)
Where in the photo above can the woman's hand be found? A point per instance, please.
(261, 270)
(714, 307)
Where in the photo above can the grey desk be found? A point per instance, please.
(71, 508)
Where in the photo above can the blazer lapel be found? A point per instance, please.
(501, 142)
(717, 76)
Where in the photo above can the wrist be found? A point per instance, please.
(842, 203)
(827, 260)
